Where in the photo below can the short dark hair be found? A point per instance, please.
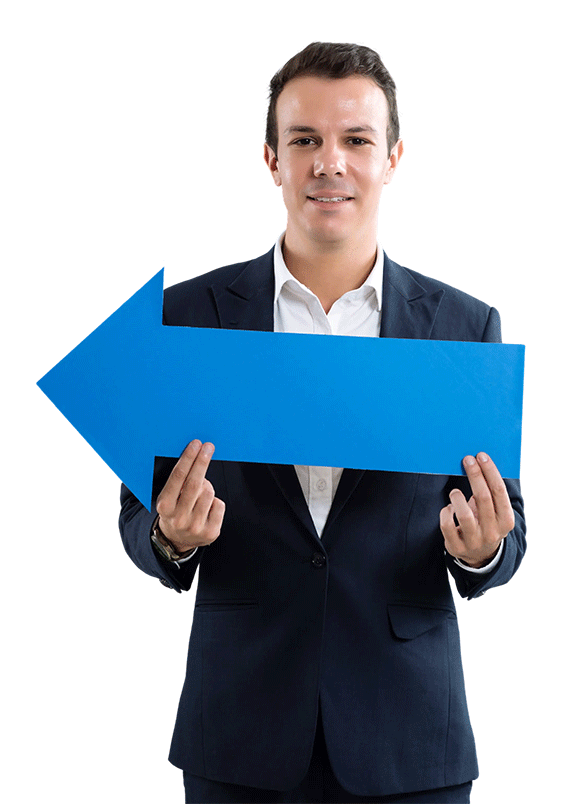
(334, 60)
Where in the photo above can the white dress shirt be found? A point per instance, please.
(358, 312)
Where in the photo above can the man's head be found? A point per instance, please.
(334, 144)
(334, 60)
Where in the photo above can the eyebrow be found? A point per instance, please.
(311, 130)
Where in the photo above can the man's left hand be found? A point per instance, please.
(484, 520)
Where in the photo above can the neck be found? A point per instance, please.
(329, 269)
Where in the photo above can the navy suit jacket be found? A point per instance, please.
(362, 620)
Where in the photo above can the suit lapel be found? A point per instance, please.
(408, 311)
(248, 302)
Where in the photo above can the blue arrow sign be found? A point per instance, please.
(135, 389)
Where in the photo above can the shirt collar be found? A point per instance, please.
(282, 275)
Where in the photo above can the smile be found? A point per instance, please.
(336, 200)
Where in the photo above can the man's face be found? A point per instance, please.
(332, 144)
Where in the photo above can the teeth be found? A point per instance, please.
(331, 199)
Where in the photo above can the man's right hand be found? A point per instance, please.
(190, 515)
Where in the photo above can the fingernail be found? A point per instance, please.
(483, 457)
(208, 449)
(469, 461)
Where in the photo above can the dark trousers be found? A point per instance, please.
(319, 785)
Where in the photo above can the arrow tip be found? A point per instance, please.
(104, 387)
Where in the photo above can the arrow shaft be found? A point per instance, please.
(331, 400)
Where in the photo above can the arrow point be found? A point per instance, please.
(104, 387)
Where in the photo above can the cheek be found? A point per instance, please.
(374, 178)
(286, 177)
(296, 171)
(292, 182)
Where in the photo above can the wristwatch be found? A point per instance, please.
(164, 547)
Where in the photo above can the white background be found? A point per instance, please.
(132, 139)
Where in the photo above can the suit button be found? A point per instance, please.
(318, 560)
(165, 583)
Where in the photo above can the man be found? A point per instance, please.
(324, 660)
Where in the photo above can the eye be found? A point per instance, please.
(358, 141)
(304, 141)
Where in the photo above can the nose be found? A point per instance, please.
(329, 161)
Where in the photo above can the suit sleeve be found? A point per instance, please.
(514, 546)
(135, 528)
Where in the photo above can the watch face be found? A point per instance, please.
(162, 548)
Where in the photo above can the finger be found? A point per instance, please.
(501, 498)
(449, 530)
(465, 516)
(215, 519)
(194, 480)
(167, 499)
(200, 512)
(447, 523)
(482, 495)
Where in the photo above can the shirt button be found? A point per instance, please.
(318, 560)
(322, 485)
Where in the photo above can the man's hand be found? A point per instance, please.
(190, 515)
(484, 520)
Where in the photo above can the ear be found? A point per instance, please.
(393, 160)
(272, 162)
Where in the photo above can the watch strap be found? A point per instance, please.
(164, 546)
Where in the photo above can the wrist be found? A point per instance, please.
(483, 563)
(168, 549)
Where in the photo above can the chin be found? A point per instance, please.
(329, 239)
(329, 234)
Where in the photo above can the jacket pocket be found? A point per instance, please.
(226, 605)
(408, 621)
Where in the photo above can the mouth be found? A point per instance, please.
(329, 201)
